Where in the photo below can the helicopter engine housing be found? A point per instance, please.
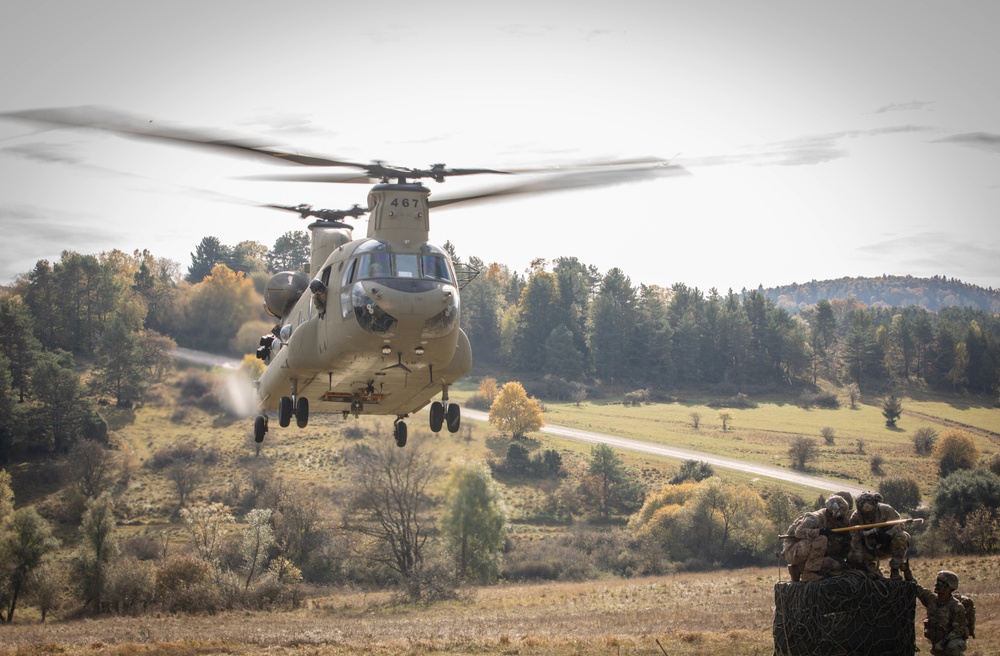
(282, 291)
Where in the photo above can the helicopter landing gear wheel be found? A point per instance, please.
(301, 412)
(284, 411)
(454, 417)
(399, 432)
(259, 428)
(437, 416)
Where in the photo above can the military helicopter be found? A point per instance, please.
(374, 327)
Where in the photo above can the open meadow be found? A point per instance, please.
(721, 613)
(724, 613)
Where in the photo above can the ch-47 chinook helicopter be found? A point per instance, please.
(373, 328)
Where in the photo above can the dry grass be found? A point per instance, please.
(721, 613)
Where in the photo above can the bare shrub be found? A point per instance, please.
(829, 435)
(695, 420)
(802, 451)
(876, 464)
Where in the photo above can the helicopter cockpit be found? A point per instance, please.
(418, 272)
(375, 260)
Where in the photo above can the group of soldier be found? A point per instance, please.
(835, 540)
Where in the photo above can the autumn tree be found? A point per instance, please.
(956, 450)
(206, 524)
(218, 306)
(25, 544)
(91, 467)
(258, 536)
(474, 523)
(389, 503)
(488, 389)
(98, 548)
(514, 412)
(608, 485)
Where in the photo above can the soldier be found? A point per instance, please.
(839, 545)
(805, 547)
(946, 625)
(868, 545)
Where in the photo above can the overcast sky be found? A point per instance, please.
(823, 139)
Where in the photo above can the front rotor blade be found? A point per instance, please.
(128, 125)
(573, 180)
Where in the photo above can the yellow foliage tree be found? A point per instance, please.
(513, 412)
(488, 389)
(956, 450)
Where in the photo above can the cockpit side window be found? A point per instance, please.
(436, 267)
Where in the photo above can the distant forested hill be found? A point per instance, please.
(889, 291)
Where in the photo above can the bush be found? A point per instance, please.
(956, 450)
(129, 586)
(827, 400)
(964, 492)
(829, 435)
(901, 493)
(801, 452)
(693, 470)
(923, 440)
(185, 583)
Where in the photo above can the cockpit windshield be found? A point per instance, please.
(377, 261)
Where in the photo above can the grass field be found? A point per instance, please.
(722, 614)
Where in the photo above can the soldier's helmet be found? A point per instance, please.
(948, 578)
(836, 506)
(867, 497)
(846, 496)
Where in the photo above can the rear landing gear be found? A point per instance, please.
(437, 416)
(284, 411)
(454, 417)
(399, 432)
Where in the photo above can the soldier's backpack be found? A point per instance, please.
(970, 613)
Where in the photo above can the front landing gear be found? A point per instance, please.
(259, 428)
(399, 432)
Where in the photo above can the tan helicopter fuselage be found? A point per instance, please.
(386, 338)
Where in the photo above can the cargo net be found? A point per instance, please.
(848, 614)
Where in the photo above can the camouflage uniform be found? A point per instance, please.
(946, 625)
(806, 547)
(869, 545)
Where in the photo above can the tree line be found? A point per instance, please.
(567, 320)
